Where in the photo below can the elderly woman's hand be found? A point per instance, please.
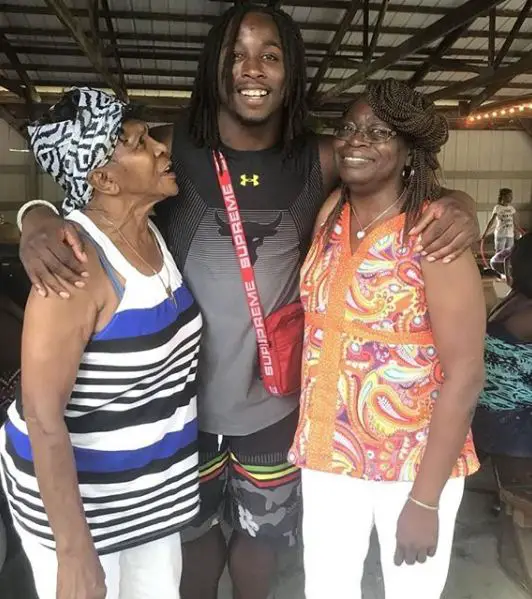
(448, 227)
(80, 576)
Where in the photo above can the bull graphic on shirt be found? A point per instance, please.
(255, 233)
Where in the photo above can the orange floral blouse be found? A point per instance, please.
(371, 373)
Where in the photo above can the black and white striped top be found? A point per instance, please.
(131, 416)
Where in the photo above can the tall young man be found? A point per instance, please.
(249, 103)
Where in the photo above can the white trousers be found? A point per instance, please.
(150, 571)
(339, 513)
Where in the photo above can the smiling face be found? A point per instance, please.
(140, 166)
(258, 86)
(364, 163)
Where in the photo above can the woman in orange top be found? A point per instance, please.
(393, 361)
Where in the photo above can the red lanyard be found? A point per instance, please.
(246, 269)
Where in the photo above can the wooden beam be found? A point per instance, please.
(138, 50)
(365, 33)
(345, 23)
(87, 46)
(453, 20)
(513, 33)
(491, 90)
(501, 76)
(199, 19)
(444, 46)
(191, 72)
(452, 64)
(20, 8)
(114, 46)
(377, 31)
(491, 39)
(93, 8)
(28, 90)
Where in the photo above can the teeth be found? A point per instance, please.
(355, 159)
(254, 93)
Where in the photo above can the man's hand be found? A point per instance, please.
(80, 577)
(448, 227)
(417, 535)
(52, 253)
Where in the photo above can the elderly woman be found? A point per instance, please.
(99, 455)
(392, 361)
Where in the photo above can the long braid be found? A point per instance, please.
(414, 117)
(205, 100)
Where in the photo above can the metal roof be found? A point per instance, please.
(48, 45)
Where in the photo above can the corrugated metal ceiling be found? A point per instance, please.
(159, 53)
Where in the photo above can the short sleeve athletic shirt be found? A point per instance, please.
(279, 201)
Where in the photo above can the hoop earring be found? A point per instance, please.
(408, 173)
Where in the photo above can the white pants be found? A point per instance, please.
(339, 513)
(151, 571)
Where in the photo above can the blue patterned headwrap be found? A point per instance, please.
(70, 149)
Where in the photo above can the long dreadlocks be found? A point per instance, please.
(415, 119)
(205, 101)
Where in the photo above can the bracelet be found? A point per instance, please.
(28, 205)
(426, 506)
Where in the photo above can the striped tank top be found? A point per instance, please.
(131, 415)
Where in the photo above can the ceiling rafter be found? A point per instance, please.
(304, 26)
(444, 46)
(315, 50)
(91, 51)
(376, 31)
(345, 23)
(452, 20)
(491, 90)
(27, 88)
(20, 8)
(114, 46)
(66, 81)
(501, 75)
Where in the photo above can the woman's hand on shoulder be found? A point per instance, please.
(448, 226)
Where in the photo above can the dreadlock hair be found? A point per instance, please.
(205, 100)
(413, 116)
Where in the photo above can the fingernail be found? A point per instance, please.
(423, 253)
(447, 260)
(431, 259)
(40, 291)
(418, 248)
(85, 274)
(79, 284)
(64, 294)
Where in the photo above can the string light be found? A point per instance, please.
(504, 112)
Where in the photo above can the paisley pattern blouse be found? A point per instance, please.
(371, 373)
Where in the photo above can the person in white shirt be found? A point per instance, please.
(502, 222)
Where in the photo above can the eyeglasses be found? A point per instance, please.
(373, 134)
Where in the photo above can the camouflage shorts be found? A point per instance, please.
(247, 483)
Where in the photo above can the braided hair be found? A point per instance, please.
(413, 116)
(205, 100)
